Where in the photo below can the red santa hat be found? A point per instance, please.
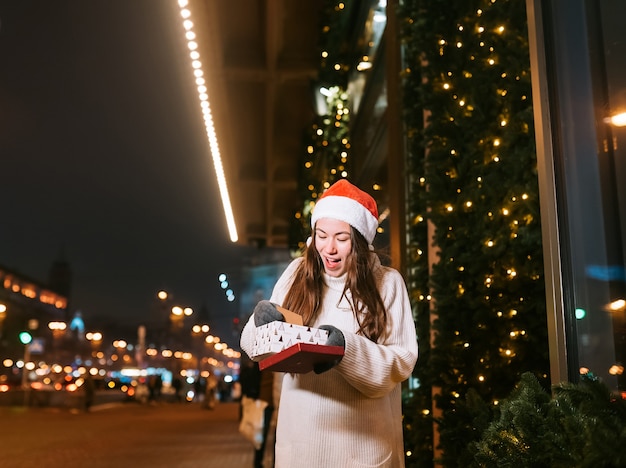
(346, 202)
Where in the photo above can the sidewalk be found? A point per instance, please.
(181, 435)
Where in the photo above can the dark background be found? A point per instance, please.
(104, 160)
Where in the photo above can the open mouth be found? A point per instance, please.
(332, 263)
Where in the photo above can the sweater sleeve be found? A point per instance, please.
(375, 369)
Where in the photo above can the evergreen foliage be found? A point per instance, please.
(582, 425)
(468, 113)
(326, 156)
(326, 159)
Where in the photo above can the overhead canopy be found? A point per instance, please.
(261, 62)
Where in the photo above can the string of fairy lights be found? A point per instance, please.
(494, 150)
(327, 153)
(471, 224)
(205, 106)
(328, 145)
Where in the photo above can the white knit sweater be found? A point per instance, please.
(350, 416)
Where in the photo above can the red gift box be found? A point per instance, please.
(300, 358)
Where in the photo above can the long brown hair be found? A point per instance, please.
(305, 295)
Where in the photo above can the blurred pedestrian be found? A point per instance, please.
(142, 394)
(89, 389)
(152, 388)
(199, 389)
(158, 386)
(258, 385)
(347, 412)
(177, 385)
(210, 392)
(224, 390)
(236, 391)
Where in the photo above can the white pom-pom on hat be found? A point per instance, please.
(348, 203)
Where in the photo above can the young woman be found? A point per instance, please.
(347, 414)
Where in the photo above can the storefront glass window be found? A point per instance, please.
(585, 50)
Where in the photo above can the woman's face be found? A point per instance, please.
(333, 243)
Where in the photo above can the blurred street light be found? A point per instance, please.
(223, 280)
(120, 344)
(58, 330)
(212, 339)
(57, 326)
(178, 311)
(3, 313)
(94, 337)
(25, 338)
(199, 329)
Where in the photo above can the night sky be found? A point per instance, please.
(103, 156)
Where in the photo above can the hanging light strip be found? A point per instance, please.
(203, 96)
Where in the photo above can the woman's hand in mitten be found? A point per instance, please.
(266, 312)
(335, 338)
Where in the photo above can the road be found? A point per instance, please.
(124, 434)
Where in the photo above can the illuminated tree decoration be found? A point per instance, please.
(326, 155)
(468, 114)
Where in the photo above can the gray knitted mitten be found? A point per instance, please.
(335, 338)
(266, 312)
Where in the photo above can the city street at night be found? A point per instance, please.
(124, 434)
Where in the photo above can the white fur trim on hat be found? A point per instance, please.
(349, 211)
